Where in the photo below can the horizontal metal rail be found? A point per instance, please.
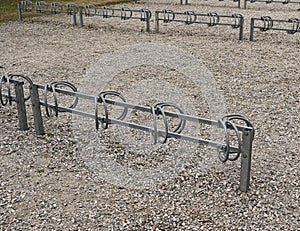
(284, 2)
(190, 17)
(186, 2)
(43, 7)
(144, 108)
(267, 23)
(124, 13)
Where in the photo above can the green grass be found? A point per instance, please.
(9, 12)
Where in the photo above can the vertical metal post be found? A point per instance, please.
(246, 159)
(19, 11)
(36, 109)
(239, 3)
(147, 21)
(181, 2)
(241, 28)
(245, 4)
(186, 2)
(156, 22)
(251, 29)
(80, 17)
(21, 105)
(74, 13)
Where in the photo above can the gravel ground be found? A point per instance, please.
(46, 182)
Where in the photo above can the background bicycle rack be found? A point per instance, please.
(190, 17)
(43, 7)
(267, 23)
(144, 15)
(186, 2)
(284, 2)
(244, 134)
(236, 21)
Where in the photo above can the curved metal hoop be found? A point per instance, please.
(71, 9)
(191, 17)
(54, 7)
(214, 19)
(241, 118)
(268, 23)
(144, 14)
(237, 20)
(295, 26)
(124, 15)
(169, 16)
(105, 12)
(226, 122)
(53, 86)
(90, 10)
(56, 84)
(26, 5)
(3, 79)
(182, 122)
(119, 95)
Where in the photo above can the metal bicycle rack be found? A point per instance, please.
(284, 2)
(267, 23)
(43, 7)
(190, 17)
(186, 2)
(230, 125)
(124, 13)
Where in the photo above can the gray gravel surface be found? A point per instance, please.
(46, 183)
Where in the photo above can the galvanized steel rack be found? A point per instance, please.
(124, 13)
(284, 2)
(236, 21)
(186, 2)
(266, 23)
(43, 7)
(227, 151)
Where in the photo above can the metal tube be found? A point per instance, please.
(156, 22)
(241, 28)
(247, 140)
(251, 29)
(74, 15)
(147, 21)
(20, 100)
(80, 17)
(36, 109)
(19, 11)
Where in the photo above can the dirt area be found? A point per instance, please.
(50, 182)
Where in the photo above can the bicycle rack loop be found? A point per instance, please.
(268, 23)
(295, 25)
(191, 17)
(214, 19)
